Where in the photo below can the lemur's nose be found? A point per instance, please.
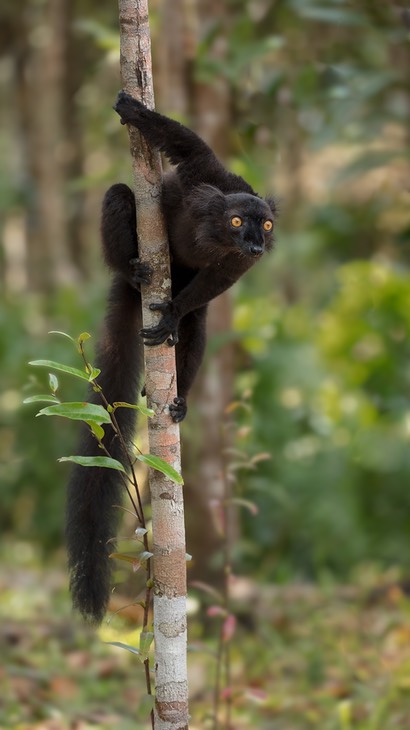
(255, 249)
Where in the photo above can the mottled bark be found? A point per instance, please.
(168, 530)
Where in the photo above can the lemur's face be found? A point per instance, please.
(237, 222)
(250, 222)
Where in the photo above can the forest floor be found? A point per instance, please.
(329, 657)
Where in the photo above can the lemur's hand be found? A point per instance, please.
(128, 108)
(165, 330)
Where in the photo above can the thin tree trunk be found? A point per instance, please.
(168, 530)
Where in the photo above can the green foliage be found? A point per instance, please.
(146, 639)
(49, 364)
(78, 412)
(331, 402)
(319, 98)
(32, 482)
(364, 334)
(327, 353)
(160, 465)
(94, 415)
(100, 461)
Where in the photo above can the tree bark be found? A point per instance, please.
(168, 530)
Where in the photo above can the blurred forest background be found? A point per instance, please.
(307, 100)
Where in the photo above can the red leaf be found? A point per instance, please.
(229, 627)
(216, 611)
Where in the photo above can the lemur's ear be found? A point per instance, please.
(273, 205)
(206, 199)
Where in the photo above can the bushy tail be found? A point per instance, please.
(92, 519)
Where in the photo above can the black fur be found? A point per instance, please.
(199, 201)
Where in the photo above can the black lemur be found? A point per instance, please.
(218, 227)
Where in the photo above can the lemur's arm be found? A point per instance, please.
(205, 286)
(196, 162)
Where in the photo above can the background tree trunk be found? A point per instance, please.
(42, 63)
(184, 25)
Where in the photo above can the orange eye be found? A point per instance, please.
(267, 226)
(236, 222)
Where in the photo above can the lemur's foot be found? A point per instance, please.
(140, 273)
(178, 409)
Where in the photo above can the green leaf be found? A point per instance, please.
(78, 412)
(100, 461)
(160, 465)
(93, 373)
(325, 14)
(41, 399)
(83, 337)
(132, 649)
(97, 430)
(146, 639)
(145, 707)
(53, 382)
(144, 556)
(126, 558)
(142, 409)
(63, 334)
(51, 365)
